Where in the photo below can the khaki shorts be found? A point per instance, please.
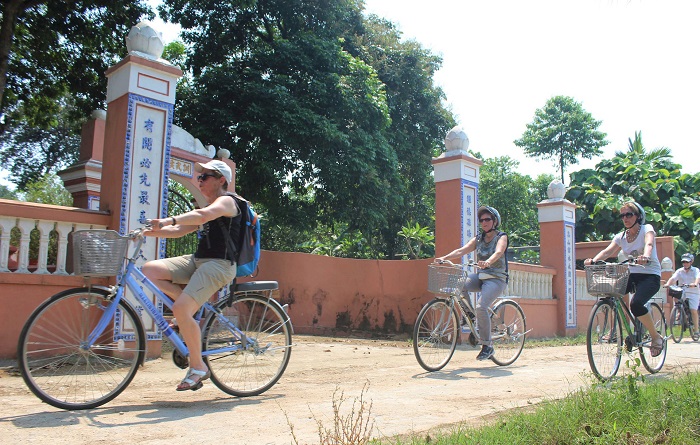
(203, 276)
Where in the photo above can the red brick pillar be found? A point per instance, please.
(82, 179)
(456, 193)
(557, 217)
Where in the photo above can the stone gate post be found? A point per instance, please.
(456, 193)
(136, 157)
(557, 218)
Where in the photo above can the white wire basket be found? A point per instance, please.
(98, 253)
(607, 279)
(446, 279)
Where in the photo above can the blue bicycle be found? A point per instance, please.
(82, 347)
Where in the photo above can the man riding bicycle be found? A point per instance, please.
(689, 275)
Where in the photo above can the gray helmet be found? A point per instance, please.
(492, 211)
(688, 257)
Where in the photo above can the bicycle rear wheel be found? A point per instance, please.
(435, 334)
(604, 340)
(654, 364)
(507, 332)
(677, 323)
(60, 367)
(258, 362)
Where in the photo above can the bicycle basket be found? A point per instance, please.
(607, 279)
(445, 279)
(675, 291)
(98, 253)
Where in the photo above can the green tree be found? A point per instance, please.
(515, 196)
(330, 118)
(671, 199)
(30, 152)
(48, 189)
(562, 130)
(50, 48)
(6, 193)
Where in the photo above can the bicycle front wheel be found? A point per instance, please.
(256, 354)
(677, 323)
(604, 340)
(507, 332)
(59, 365)
(435, 334)
(654, 364)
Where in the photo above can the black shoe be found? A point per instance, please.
(486, 353)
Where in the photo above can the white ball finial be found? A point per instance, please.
(456, 140)
(223, 154)
(556, 190)
(145, 40)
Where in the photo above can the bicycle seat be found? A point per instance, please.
(256, 286)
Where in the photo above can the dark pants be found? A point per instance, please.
(644, 286)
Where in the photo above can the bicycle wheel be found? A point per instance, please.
(604, 340)
(654, 364)
(507, 332)
(677, 324)
(259, 361)
(60, 367)
(435, 334)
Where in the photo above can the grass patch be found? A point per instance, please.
(656, 411)
(579, 339)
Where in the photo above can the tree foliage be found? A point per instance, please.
(49, 49)
(562, 130)
(31, 152)
(330, 118)
(671, 199)
(515, 196)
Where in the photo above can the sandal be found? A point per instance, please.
(193, 380)
(656, 348)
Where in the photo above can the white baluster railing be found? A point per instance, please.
(524, 284)
(25, 226)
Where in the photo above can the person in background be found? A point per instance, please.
(689, 275)
(638, 240)
(491, 280)
(210, 268)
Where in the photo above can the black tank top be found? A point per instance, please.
(212, 243)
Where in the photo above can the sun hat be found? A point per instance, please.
(215, 165)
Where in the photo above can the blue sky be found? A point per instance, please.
(631, 63)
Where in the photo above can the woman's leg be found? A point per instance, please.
(647, 286)
(490, 290)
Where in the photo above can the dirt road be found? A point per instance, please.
(403, 397)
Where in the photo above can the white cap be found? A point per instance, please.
(215, 165)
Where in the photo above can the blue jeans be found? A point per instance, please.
(490, 290)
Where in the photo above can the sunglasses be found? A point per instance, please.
(626, 215)
(481, 220)
(204, 176)
(686, 261)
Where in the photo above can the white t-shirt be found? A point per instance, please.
(636, 248)
(689, 277)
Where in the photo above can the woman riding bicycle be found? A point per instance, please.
(690, 276)
(638, 240)
(492, 279)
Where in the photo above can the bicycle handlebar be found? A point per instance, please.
(468, 264)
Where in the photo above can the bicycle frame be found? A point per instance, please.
(133, 279)
(629, 322)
